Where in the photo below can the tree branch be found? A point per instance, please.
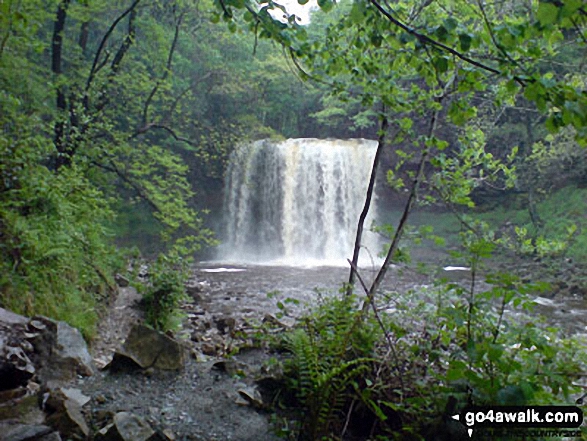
(124, 47)
(98, 54)
(367, 205)
(114, 169)
(406, 213)
(167, 70)
(169, 130)
(426, 40)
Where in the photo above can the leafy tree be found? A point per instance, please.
(433, 73)
(64, 141)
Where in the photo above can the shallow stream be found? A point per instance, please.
(242, 289)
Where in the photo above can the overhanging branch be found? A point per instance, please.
(426, 40)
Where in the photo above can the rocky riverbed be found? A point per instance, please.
(216, 396)
(204, 384)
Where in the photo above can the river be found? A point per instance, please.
(242, 290)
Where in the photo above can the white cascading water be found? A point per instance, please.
(297, 202)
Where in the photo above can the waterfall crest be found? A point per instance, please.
(297, 201)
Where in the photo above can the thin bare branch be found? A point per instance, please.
(367, 204)
(165, 73)
(169, 130)
(104, 40)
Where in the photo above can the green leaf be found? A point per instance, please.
(357, 12)
(325, 5)
(441, 64)
(495, 352)
(441, 33)
(465, 42)
(376, 39)
(547, 13)
(450, 24)
(456, 371)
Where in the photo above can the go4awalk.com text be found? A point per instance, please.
(542, 421)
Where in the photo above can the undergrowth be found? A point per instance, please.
(427, 354)
(165, 292)
(563, 216)
(56, 258)
(353, 380)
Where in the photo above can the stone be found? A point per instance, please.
(252, 396)
(275, 322)
(149, 348)
(66, 416)
(231, 367)
(168, 435)
(209, 349)
(61, 349)
(121, 281)
(51, 437)
(225, 324)
(71, 348)
(194, 291)
(126, 427)
(25, 410)
(16, 368)
(12, 318)
(75, 395)
(23, 432)
(11, 394)
(12, 376)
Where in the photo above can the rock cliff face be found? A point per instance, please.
(40, 349)
(38, 358)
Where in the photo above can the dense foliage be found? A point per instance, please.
(472, 99)
(129, 109)
(114, 118)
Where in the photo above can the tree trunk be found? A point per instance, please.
(363, 216)
(404, 219)
(63, 155)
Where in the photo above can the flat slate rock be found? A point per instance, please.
(12, 318)
(148, 348)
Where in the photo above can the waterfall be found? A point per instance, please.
(297, 201)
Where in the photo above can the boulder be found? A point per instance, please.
(126, 427)
(24, 409)
(121, 281)
(250, 395)
(65, 407)
(60, 351)
(11, 318)
(76, 395)
(225, 324)
(148, 348)
(53, 436)
(52, 353)
(16, 368)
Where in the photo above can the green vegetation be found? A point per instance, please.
(165, 293)
(330, 351)
(472, 100)
(132, 110)
(562, 214)
(394, 375)
(116, 124)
